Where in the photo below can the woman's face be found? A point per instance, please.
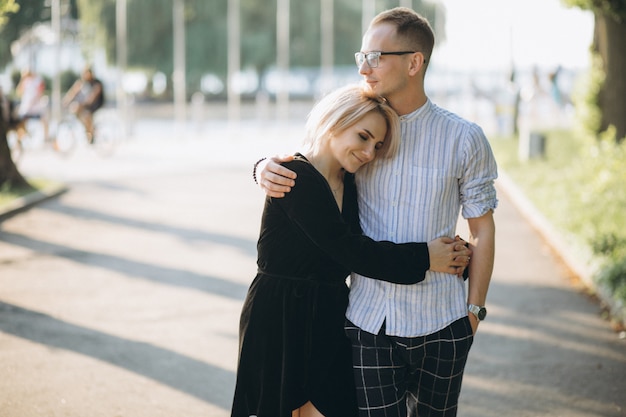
(357, 145)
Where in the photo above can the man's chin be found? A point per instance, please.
(371, 86)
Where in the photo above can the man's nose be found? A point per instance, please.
(364, 68)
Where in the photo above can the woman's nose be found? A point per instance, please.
(369, 152)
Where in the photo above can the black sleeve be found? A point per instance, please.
(311, 207)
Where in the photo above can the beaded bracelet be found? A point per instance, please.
(256, 164)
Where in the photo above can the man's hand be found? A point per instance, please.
(473, 322)
(448, 255)
(275, 179)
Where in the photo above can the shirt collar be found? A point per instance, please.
(417, 112)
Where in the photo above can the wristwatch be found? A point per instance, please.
(479, 311)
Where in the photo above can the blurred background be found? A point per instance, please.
(122, 296)
(543, 78)
(197, 53)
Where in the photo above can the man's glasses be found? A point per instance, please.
(373, 58)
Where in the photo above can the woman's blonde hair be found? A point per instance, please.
(342, 108)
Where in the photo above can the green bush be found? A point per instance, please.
(580, 187)
(614, 277)
(602, 196)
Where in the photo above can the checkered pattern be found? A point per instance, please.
(400, 377)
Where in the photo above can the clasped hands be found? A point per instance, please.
(449, 255)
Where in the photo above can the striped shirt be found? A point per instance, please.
(444, 166)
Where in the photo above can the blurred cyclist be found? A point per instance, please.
(84, 98)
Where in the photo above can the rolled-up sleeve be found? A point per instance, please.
(478, 193)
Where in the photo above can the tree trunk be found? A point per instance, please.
(9, 175)
(610, 43)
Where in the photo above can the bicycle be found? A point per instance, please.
(106, 136)
(27, 135)
(66, 135)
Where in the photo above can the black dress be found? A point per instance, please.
(292, 346)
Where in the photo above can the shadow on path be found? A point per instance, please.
(173, 369)
(162, 275)
(539, 342)
(246, 246)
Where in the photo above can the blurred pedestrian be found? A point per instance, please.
(555, 88)
(294, 357)
(30, 91)
(32, 103)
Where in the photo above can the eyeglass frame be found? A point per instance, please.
(377, 54)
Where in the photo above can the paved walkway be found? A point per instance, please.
(121, 296)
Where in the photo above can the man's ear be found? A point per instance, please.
(417, 63)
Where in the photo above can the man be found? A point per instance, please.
(410, 343)
(84, 98)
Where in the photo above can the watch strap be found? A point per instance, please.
(479, 311)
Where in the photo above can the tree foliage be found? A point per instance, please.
(150, 40)
(7, 6)
(615, 9)
(609, 44)
(19, 19)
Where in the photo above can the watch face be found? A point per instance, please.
(482, 313)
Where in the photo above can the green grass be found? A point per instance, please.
(10, 194)
(548, 182)
(580, 187)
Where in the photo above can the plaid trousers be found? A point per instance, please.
(415, 376)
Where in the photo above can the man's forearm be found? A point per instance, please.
(482, 242)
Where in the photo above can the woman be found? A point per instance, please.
(294, 358)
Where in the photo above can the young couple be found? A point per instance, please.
(408, 315)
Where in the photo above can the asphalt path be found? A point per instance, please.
(121, 296)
